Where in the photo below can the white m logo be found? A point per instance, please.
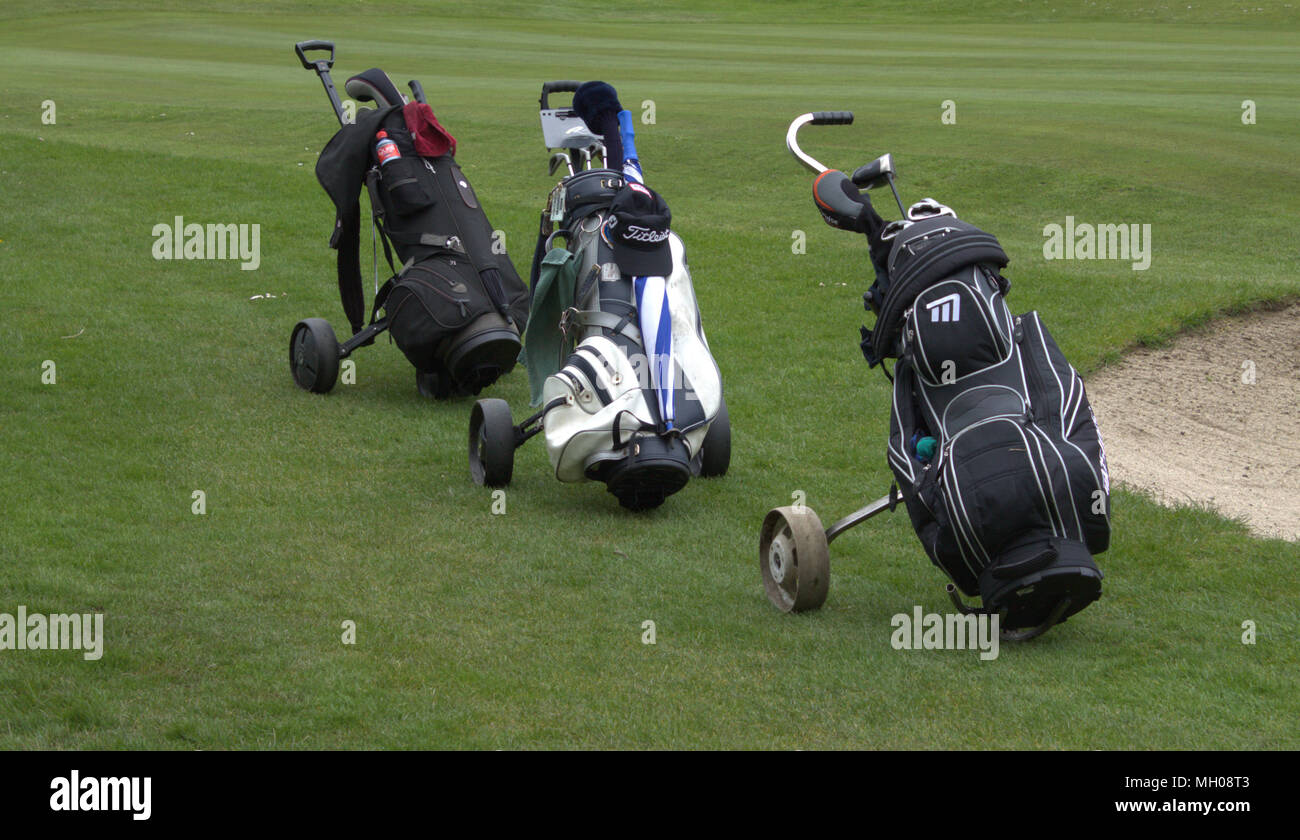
(946, 308)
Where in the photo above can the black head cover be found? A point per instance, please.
(592, 100)
(373, 85)
(598, 106)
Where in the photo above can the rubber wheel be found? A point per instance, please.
(491, 443)
(715, 452)
(794, 559)
(314, 355)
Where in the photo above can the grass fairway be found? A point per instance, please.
(524, 630)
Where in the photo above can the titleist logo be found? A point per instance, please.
(637, 233)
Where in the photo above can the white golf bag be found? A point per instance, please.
(604, 416)
(628, 391)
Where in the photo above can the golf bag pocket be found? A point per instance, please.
(405, 185)
(602, 408)
(958, 326)
(984, 496)
(429, 301)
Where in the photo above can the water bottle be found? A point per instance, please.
(386, 149)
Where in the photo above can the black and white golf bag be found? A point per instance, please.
(603, 416)
(454, 304)
(992, 441)
(617, 361)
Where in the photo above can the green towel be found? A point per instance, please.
(542, 338)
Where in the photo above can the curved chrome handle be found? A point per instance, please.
(816, 118)
(793, 144)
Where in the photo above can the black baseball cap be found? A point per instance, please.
(637, 230)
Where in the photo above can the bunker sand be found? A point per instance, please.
(1185, 424)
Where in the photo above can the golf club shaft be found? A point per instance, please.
(897, 199)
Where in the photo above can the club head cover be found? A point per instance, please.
(843, 205)
(592, 100)
(598, 106)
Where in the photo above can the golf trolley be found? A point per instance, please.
(992, 443)
(793, 546)
(314, 349)
(467, 304)
(604, 414)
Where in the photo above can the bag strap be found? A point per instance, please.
(346, 239)
(608, 320)
(450, 243)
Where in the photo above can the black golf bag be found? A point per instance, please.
(454, 304)
(993, 444)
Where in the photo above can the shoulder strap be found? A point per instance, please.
(347, 239)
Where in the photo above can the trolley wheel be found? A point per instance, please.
(491, 443)
(794, 558)
(314, 355)
(715, 452)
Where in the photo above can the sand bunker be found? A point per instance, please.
(1213, 418)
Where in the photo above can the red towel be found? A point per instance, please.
(431, 139)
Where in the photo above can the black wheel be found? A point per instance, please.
(715, 452)
(491, 443)
(794, 559)
(314, 355)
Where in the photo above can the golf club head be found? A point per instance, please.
(875, 174)
(559, 159)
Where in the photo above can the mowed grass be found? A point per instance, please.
(525, 629)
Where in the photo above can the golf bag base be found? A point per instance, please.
(652, 469)
(1041, 581)
(479, 355)
(430, 310)
(483, 352)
